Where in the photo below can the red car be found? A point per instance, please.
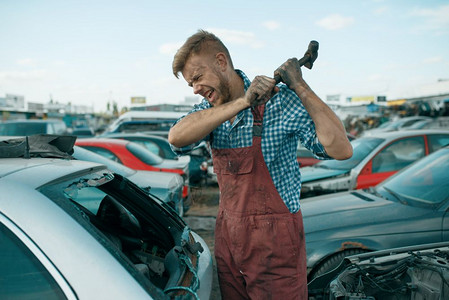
(136, 157)
(374, 159)
(306, 158)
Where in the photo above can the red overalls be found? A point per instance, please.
(259, 244)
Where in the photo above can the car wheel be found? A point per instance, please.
(332, 262)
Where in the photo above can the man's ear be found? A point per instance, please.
(221, 60)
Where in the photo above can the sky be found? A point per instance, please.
(89, 52)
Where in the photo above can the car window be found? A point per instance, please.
(385, 125)
(424, 184)
(81, 153)
(361, 148)
(103, 152)
(22, 129)
(89, 197)
(408, 123)
(59, 127)
(22, 274)
(166, 149)
(50, 129)
(303, 152)
(153, 147)
(143, 154)
(399, 154)
(438, 141)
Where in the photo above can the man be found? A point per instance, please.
(254, 129)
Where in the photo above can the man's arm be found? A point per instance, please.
(198, 125)
(330, 130)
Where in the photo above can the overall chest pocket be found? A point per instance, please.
(233, 161)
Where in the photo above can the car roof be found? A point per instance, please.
(151, 114)
(406, 133)
(36, 172)
(102, 140)
(136, 134)
(34, 121)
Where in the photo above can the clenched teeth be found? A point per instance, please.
(210, 93)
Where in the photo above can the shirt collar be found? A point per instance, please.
(246, 81)
(246, 112)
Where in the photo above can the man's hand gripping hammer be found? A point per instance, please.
(307, 60)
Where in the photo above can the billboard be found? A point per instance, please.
(138, 100)
(363, 99)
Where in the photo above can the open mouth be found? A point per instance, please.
(209, 94)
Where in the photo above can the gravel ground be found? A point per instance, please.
(201, 218)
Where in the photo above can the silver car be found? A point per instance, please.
(167, 186)
(72, 229)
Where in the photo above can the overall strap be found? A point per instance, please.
(258, 120)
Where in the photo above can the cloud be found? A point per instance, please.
(433, 60)
(436, 20)
(23, 76)
(227, 36)
(170, 48)
(237, 37)
(26, 62)
(381, 10)
(271, 25)
(376, 77)
(335, 22)
(59, 63)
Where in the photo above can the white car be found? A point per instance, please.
(72, 229)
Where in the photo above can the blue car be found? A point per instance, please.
(409, 208)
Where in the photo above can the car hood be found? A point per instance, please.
(316, 173)
(172, 164)
(347, 214)
(155, 179)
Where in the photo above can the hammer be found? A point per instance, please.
(307, 60)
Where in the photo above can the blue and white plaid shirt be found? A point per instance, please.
(285, 123)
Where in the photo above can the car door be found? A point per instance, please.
(392, 158)
(26, 272)
(437, 141)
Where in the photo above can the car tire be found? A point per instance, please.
(332, 262)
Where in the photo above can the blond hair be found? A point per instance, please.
(202, 40)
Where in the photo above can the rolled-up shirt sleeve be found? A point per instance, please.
(186, 149)
(299, 121)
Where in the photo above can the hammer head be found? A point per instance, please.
(312, 54)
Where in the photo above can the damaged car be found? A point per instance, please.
(138, 157)
(408, 273)
(167, 186)
(374, 159)
(409, 208)
(72, 229)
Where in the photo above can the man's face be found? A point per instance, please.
(202, 72)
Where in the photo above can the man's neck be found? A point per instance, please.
(237, 86)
